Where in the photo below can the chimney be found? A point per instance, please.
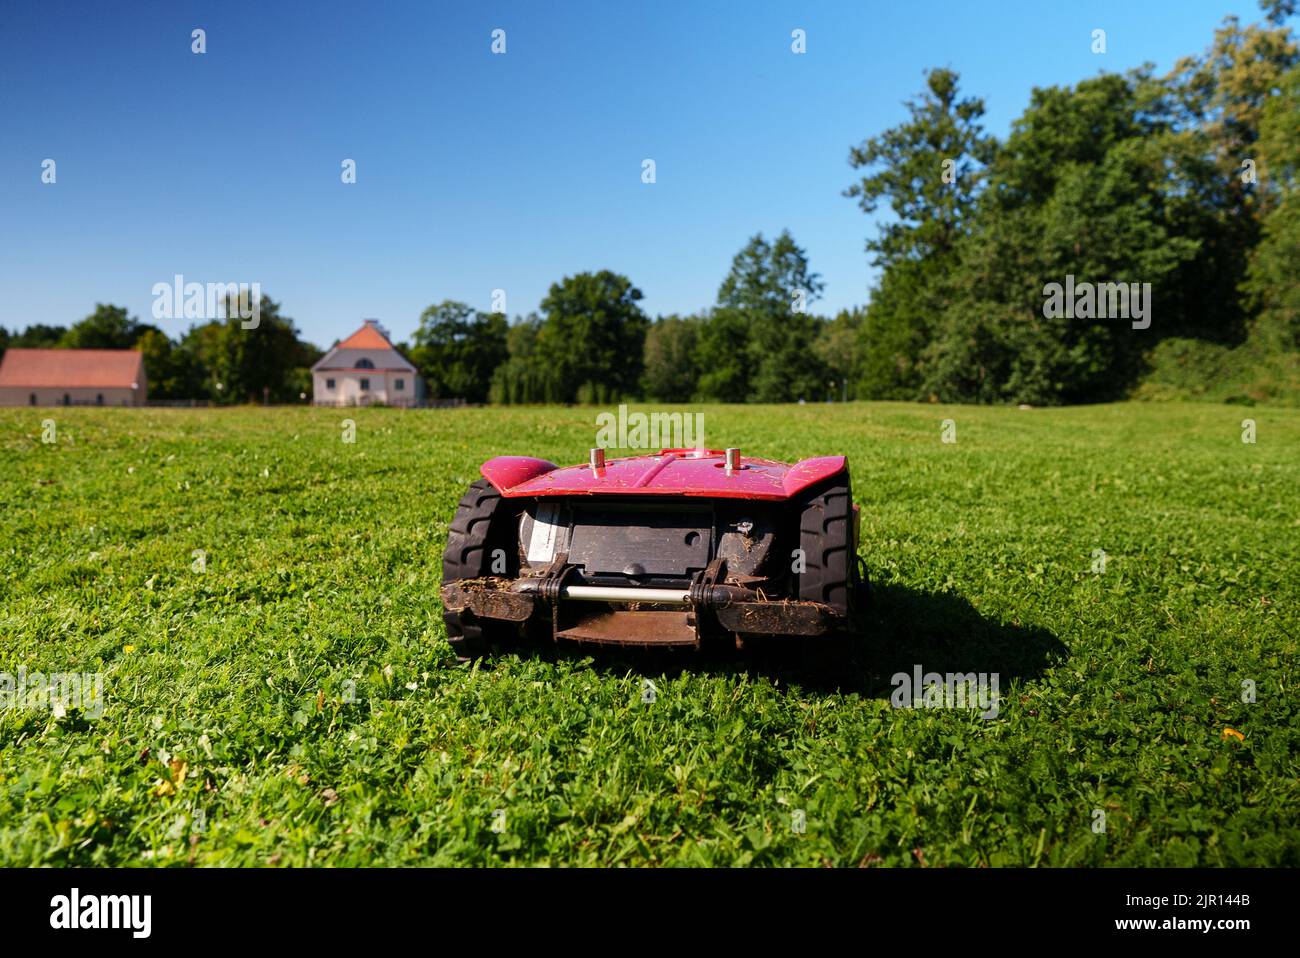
(378, 326)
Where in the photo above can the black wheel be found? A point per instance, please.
(826, 536)
(484, 523)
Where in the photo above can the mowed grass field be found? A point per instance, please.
(291, 699)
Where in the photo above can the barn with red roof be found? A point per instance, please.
(72, 377)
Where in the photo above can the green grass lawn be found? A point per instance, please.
(295, 701)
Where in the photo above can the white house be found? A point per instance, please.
(363, 369)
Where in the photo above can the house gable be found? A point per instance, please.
(370, 347)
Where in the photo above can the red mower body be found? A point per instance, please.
(671, 472)
(665, 549)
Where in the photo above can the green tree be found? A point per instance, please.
(929, 171)
(722, 357)
(457, 350)
(38, 336)
(839, 349)
(670, 351)
(167, 368)
(767, 291)
(1078, 189)
(1222, 93)
(213, 359)
(592, 338)
(266, 363)
(1222, 188)
(1276, 11)
(894, 332)
(521, 378)
(1271, 283)
(108, 327)
(1272, 287)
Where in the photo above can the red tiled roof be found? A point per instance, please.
(71, 368)
(367, 337)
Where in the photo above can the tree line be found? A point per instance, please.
(1186, 181)
(219, 360)
(590, 343)
(1186, 184)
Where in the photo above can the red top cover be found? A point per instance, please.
(671, 472)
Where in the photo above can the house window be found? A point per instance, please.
(329, 384)
(67, 400)
(365, 384)
(99, 399)
(31, 400)
(400, 385)
(365, 364)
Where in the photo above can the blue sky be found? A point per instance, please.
(478, 171)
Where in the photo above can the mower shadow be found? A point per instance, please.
(902, 628)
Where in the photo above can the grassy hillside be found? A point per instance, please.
(295, 701)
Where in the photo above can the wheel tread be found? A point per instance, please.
(478, 520)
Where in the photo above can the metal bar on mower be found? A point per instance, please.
(600, 593)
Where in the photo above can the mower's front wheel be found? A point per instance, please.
(482, 541)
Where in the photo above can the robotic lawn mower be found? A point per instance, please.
(675, 549)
